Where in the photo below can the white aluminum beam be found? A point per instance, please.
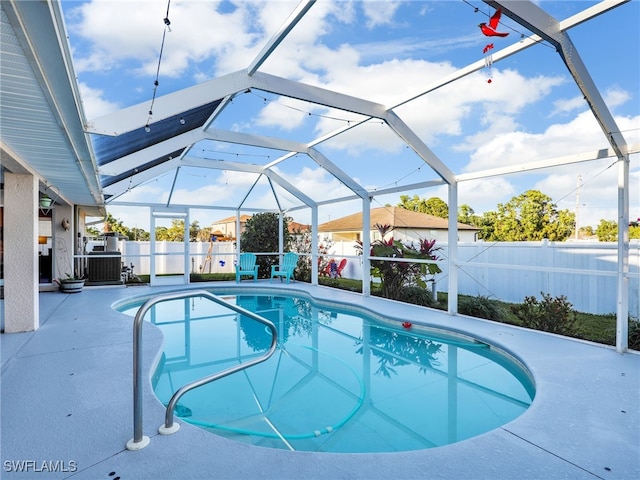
(219, 109)
(272, 143)
(552, 162)
(523, 44)
(321, 139)
(281, 34)
(540, 22)
(215, 164)
(271, 175)
(341, 176)
(418, 146)
(175, 103)
(166, 106)
(277, 200)
(622, 305)
(118, 188)
(177, 206)
(409, 186)
(452, 241)
(320, 96)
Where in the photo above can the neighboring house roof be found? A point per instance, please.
(295, 227)
(243, 218)
(395, 216)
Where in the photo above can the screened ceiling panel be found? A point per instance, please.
(271, 122)
(107, 148)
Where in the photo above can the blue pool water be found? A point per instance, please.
(338, 382)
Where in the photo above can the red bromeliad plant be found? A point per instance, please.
(395, 276)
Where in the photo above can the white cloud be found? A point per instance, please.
(380, 13)
(489, 122)
(580, 135)
(568, 105)
(285, 113)
(93, 102)
(616, 96)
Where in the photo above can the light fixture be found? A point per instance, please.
(42, 240)
(147, 128)
(182, 121)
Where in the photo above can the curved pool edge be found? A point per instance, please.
(585, 421)
(537, 444)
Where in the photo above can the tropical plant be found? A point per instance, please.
(397, 275)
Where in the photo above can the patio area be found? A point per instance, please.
(67, 406)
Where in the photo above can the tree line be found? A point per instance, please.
(530, 216)
(173, 233)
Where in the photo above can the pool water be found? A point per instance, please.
(338, 382)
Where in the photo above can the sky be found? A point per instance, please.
(523, 108)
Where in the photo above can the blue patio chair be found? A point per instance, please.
(285, 270)
(246, 266)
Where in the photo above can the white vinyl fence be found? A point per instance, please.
(584, 272)
(138, 253)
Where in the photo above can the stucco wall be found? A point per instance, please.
(21, 307)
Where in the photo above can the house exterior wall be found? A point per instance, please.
(21, 306)
(406, 235)
(228, 228)
(344, 236)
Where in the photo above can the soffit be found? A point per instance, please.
(41, 119)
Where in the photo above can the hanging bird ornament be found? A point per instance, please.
(490, 30)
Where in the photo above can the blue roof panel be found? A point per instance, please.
(108, 148)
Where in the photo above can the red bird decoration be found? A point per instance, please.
(406, 324)
(490, 30)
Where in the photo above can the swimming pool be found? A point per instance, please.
(340, 381)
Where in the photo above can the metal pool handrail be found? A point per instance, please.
(139, 440)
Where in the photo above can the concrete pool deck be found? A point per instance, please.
(66, 405)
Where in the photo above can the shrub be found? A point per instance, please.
(553, 315)
(634, 334)
(417, 296)
(481, 307)
(261, 235)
